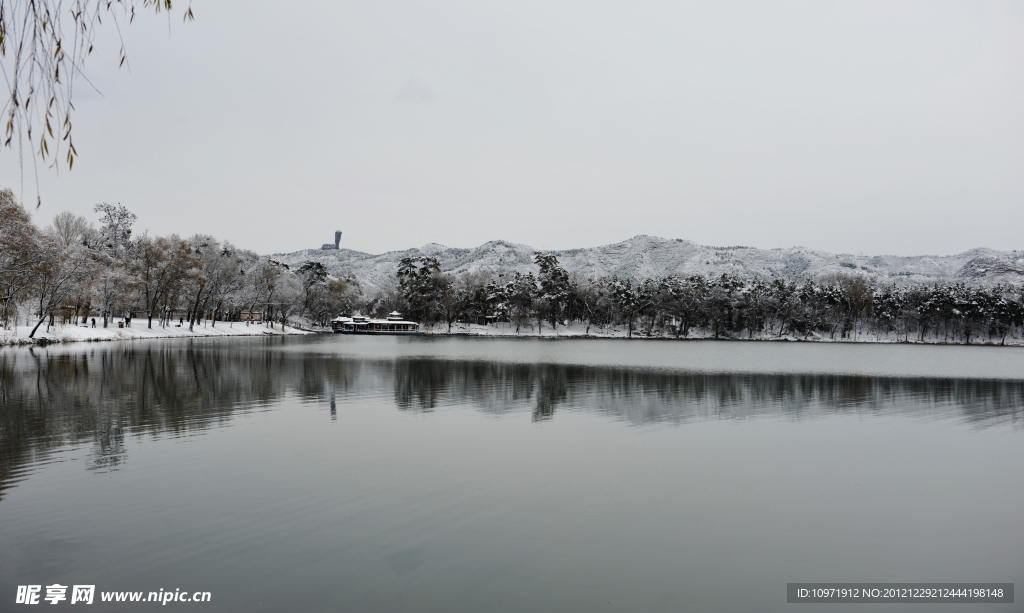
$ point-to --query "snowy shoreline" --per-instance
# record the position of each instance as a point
(77, 333)
(506, 330)
(73, 334)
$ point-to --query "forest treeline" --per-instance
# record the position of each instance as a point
(73, 270)
(844, 306)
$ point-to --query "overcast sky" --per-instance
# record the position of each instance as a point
(882, 127)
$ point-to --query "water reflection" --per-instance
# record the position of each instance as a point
(52, 399)
(642, 397)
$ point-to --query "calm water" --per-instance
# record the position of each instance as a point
(362, 474)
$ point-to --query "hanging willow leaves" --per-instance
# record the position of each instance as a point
(44, 45)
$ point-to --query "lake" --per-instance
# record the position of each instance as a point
(341, 473)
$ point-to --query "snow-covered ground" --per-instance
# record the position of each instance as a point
(580, 330)
(73, 333)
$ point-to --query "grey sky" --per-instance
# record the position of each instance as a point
(883, 127)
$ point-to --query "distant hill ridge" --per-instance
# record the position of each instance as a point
(650, 256)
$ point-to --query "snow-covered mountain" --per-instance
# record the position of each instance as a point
(649, 256)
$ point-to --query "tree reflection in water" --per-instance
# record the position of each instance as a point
(54, 398)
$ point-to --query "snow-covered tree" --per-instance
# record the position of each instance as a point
(20, 254)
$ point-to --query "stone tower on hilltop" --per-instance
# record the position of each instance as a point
(336, 245)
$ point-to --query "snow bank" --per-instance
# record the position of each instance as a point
(73, 333)
(580, 331)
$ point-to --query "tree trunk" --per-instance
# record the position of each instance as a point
(195, 307)
(41, 320)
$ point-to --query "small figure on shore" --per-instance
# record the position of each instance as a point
(93, 322)
(127, 321)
